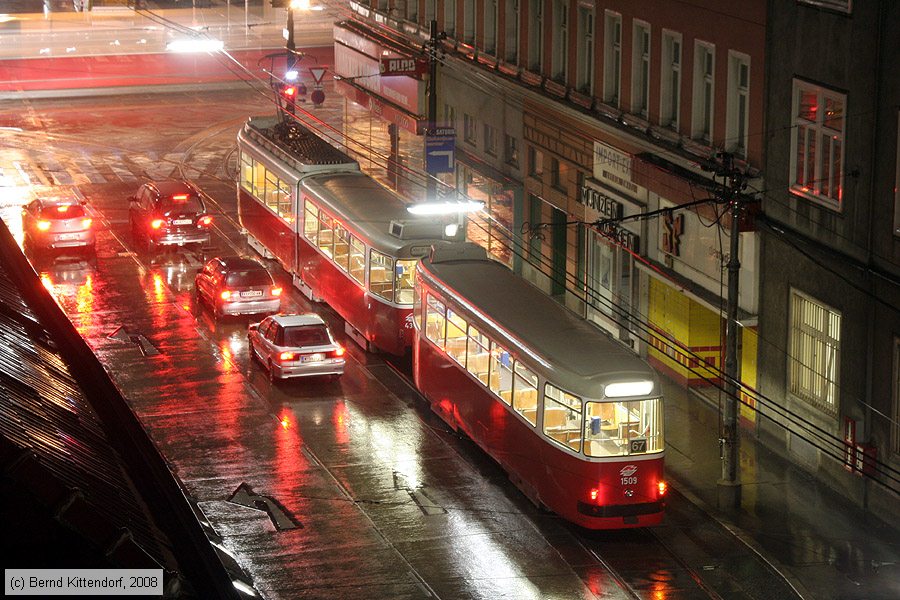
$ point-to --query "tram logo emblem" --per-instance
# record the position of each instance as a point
(408, 321)
(628, 470)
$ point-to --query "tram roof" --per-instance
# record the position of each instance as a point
(571, 353)
(376, 213)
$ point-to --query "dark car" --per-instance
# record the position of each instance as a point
(56, 223)
(233, 285)
(169, 213)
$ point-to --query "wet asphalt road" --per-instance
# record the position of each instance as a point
(320, 489)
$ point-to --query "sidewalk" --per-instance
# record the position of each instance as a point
(826, 547)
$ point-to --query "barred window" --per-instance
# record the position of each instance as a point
(815, 352)
(817, 144)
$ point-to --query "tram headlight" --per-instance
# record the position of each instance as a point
(628, 388)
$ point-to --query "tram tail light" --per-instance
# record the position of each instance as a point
(595, 494)
(205, 220)
(276, 291)
(43, 225)
(86, 223)
(156, 223)
(663, 488)
(285, 356)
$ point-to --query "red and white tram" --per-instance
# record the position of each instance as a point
(574, 417)
(345, 239)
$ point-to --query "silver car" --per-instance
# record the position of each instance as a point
(296, 346)
(233, 285)
(56, 223)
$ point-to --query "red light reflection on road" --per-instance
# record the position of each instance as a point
(291, 466)
(339, 419)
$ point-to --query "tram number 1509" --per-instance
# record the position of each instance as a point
(629, 480)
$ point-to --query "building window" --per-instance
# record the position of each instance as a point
(469, 129)
(490, 26)
(612, 53)
(430, 7)
(511, 45)
(815, 352)
(535, 162)
(585, 74)
(704, 88)
(469, 22)
(450, 17)
(817, 143)
(449, 116)
(412, 10)
(560, 55)
(895, 423)
(535, 35)
(558, 174)
(839, 5)
(490, 140)
(897, 183)
(670, 96)
(511, 150)
(738, 103)
(640, 69)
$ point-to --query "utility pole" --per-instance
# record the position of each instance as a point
(291, 48)
(729, 486)
(433, 40)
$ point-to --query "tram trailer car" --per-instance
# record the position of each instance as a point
(573, 416)
(345, 239)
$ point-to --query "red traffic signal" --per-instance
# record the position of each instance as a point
(289, 91)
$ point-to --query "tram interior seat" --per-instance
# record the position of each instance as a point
(526, 399)
(456, 347)
(378, 275)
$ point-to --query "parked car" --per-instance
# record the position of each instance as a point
(232, 285)
(296, 346)
(169, 213)
(52, 223)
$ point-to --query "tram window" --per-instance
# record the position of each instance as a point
(620, 428)
(501, 373)
(271, 191)
(258, 181)
(406, 278)
(435, 321)
(311, 222)
(357, 260)
(326, 234)
(285, 210)
(525, 395)
(341, 247)
(456, 337)
(381, 278)
(417, 307)
(478, 362)
(247, 172)
(562, 417)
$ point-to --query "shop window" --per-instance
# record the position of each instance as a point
(456, 337)
(525, 394)
(357, 260)
(311, 222)
(381, 275)
(562, 417)
(435, 321)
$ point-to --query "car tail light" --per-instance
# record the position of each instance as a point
(663, 488)
(205, 220)
(86, 223)
(156, 223)
(180, 197)
(339, 352)
(226, 294)
(62, 208)
(43, 225)
(276, 291)
(284, 356)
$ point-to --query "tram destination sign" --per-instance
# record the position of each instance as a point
(412, 67)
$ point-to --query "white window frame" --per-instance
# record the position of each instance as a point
(412, 10)
(536, 35)
(450, 17)
(817, 134)
(512, 33)
(612, 58)
(511, 150)
(585, 59)
(845, 6)
(738, 111)
(469, 22)
(815, 352)
(470, 129)
(450, 116)
(490, 140)
(704, 92)
(670, 80)
(560, 55)
(640, 67)
(490, 27)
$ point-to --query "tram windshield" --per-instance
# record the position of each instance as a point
(622, 428)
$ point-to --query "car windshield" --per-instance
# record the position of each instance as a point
(306, 335)
(248, 278)
(182, 203)
(62, 211)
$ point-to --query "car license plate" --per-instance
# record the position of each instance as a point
(67, 236)
(312, 357)
(251, 293)
(182, 222)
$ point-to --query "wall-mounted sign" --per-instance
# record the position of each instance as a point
(413, 67)
(608, 208)
(673, 227)
(613, 167)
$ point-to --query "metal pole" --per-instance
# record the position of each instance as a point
(729, 486)
(431, 189)
(291, 58)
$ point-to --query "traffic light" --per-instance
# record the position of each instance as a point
(288, 94)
